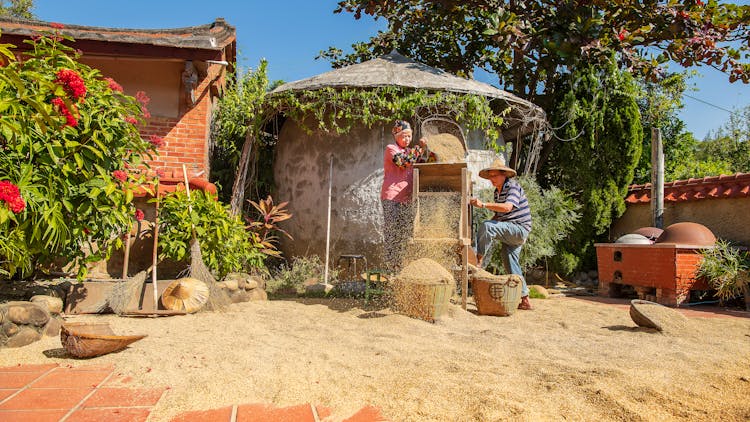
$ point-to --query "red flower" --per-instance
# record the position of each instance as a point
(132, 120)
(56, 25)
(12, 196)
(120, 175)
(156, 141)
(621, 34)
(113, 85)
(142, 98)
(71, 82)
(139, 215)
(70, 120)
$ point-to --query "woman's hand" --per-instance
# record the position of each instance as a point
(423, 142)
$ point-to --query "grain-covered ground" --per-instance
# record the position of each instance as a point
(567, 359)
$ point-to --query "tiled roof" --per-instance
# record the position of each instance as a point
(712, 187)
(213, 36)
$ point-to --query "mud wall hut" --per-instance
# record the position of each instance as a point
(302, 163)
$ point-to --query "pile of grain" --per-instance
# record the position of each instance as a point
(447, 148)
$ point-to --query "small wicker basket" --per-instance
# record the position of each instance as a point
(497, 295)
(421, 299)
(86, 340)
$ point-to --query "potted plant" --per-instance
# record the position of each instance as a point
(727, 269)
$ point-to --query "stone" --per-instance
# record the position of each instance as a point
(27, 313)
(240, 278)
(238, 296)
(26, 335)
(540, 290)
(593, 274)
(319, 289)
(53, 304)
(251, 284)
(310, 282)
(9, 329)
(258, 295)
(583, 276)
(52, 329)
(260, 283)
(231, 284)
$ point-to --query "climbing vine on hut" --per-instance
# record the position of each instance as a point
(338, 110)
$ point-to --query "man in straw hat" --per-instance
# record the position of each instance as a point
(510, 225)
(395, 194)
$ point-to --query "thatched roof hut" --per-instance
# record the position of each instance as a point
(301, 168)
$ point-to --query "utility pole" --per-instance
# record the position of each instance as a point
(657, 178)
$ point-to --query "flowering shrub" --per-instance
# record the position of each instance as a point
(226, 245)
(68, 138)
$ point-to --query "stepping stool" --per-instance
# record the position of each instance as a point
(373, 278)
(351, 261)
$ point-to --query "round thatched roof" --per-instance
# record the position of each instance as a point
(393, 69)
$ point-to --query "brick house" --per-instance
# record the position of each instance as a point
(181, 70)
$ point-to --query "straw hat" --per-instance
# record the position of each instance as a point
(497, 165)
(188, 294)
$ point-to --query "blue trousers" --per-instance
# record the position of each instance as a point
(512, 237)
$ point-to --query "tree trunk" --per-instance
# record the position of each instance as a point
(238, 189)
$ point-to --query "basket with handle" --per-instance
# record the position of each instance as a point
(497, 295)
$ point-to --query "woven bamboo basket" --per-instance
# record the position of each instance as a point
(86, 340)
(423, 300)
(497, 295)
(638, 313)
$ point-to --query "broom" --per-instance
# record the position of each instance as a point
(218, 299)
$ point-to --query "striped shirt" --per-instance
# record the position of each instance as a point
(521, 213)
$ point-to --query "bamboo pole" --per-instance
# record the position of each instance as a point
(154, 256)
(328, 228)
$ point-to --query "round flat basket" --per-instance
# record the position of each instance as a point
(185, 294)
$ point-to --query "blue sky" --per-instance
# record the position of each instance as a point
(290, 33)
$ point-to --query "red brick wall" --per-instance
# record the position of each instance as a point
(185, 137)
(640, 266)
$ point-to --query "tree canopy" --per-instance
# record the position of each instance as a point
(17, 8)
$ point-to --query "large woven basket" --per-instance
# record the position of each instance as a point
(86, 340)
(497, 295)
(422, 300)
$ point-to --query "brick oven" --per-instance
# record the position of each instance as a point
(664, 272)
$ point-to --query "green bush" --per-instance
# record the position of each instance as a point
(290, 278)
(226, 245)
(553, 213)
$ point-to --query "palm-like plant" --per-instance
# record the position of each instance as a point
(726, 268)
(266, 226)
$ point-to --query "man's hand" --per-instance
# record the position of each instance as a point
(476, 203)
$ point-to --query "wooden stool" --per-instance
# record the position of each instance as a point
(351, 260)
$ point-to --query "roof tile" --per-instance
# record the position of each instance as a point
(695, 189)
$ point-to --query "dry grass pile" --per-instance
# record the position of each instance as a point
(447, 148)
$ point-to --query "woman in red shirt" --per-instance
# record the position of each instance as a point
(396, 192)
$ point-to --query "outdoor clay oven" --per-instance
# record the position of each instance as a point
(664, 272)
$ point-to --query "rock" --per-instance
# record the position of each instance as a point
(26, 335)
(582, 276)
(231, 284)
(241, 278)
(52, 329)
(593, 274)
(310, 281)
(260, 283)
(9, 329)
(258, 294)
(53, 304)
(238, 296)
(554, 292)
(252, 283)
(540, 290)
(27, 313)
